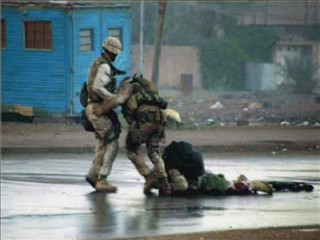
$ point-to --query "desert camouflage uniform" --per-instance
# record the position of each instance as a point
(101, 86)
(146, 126)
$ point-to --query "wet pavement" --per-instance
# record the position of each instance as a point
(44, 196)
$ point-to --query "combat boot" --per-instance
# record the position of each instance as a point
(151, 182)
(102, 185)
(165, 188)
(92, 177)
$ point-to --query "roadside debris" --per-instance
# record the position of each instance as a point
(226, 109)
(217, 106)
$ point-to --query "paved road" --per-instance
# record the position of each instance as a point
(45, 197)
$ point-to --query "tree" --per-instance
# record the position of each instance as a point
(157, 51)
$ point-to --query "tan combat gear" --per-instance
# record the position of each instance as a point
(113, 45)
(102, 185)
(111, 87)
(178, 182)
(92, 176)
(165, 188)
(146, 126)
(107, 131)
(151, 182)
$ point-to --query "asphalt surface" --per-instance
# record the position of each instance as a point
(42, 186)
(44, 196)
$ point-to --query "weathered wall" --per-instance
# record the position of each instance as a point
(33, 77)
(175, 60)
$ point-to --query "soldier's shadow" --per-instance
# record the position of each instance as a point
(102, 210)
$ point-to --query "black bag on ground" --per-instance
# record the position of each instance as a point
(84, 95)
(87, 125)
(182, 156)
(291, 186)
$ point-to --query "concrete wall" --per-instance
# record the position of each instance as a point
(175, 60)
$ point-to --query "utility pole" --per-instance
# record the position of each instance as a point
(141, 59)
(157, 52)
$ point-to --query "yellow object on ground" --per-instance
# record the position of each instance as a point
(173, 114)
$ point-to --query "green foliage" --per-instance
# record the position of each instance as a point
(222, 63)
(223, 60)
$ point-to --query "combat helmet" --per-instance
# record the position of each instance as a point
(113, 45)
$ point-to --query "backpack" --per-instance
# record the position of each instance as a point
(87, 125)
(182, 156)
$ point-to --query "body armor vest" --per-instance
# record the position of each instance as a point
(144, 100)
(111, 87)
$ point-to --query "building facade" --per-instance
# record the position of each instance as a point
(298, 25)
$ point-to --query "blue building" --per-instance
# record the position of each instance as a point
(48, 47)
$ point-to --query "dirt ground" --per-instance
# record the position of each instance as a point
(303, 233)
(205, 109)
(70, 137)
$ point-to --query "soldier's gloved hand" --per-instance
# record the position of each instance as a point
(98, 111)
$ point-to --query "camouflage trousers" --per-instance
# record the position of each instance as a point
(105, 151)
(150, 134)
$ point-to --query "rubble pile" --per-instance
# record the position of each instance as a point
(243, 109)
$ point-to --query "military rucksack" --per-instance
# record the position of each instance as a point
(145, 93)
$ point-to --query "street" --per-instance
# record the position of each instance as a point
(45, 196)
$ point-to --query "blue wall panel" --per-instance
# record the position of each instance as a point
(36, 78)
(50, 80)
(83, 19)
(118, 19)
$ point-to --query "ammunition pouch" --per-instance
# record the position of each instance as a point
(84, 95)
(150, 114)
(87, 125)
